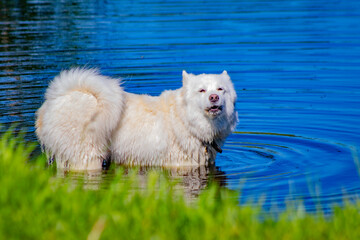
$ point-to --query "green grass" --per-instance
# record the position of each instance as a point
(36, 205)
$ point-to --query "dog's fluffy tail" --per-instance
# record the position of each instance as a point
(80, 111)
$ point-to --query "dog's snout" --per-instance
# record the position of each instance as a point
(214, 98)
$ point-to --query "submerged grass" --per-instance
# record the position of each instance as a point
(35, 205)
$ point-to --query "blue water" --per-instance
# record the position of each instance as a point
(295, 66)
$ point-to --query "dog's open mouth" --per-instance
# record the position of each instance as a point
(214, 110)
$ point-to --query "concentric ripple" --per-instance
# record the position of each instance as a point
(284, 166)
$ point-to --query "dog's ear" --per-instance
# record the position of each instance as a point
(185, 76)
(225, 75)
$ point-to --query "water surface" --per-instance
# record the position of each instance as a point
(295, 66)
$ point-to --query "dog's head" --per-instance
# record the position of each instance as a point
(212, 94)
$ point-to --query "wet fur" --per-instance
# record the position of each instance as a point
(87, 117)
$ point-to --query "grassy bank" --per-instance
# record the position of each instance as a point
(34, 205)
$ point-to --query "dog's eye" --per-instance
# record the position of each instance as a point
(202, 90)
(220, 89)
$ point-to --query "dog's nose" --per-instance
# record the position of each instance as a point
(214, 98)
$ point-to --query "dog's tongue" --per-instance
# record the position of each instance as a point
(214, 108)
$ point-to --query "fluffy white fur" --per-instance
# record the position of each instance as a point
(87, 116)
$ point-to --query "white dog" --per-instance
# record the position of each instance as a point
(87, 117)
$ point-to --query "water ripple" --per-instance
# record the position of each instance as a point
(289, 165)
